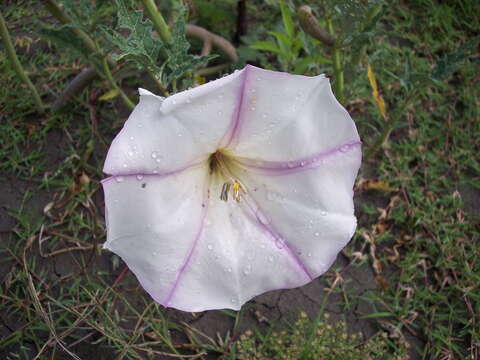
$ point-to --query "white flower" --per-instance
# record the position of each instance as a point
(233, 188)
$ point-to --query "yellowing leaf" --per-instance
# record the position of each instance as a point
(378, 98)
(109, 95)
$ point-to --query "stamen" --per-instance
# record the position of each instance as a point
(238, 189)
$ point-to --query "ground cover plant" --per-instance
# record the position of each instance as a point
(407, 285)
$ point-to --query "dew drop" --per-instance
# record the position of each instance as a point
(270, 258)
(262, 218)
(262, 246)
(131, 138)
(233, 300)
(309, 254)
(279, 243)
(139, 125)
(130, 153)
(264, 116)
(252, 108)
(119, 178)
(158, 160)
(125, 165)
(323, 213)
(247, 270)
(229, 269)
(154, 155)
(317, 233)
(220, 96)
(174, 102)
(210, 247)
(258, 79)
(302, 163)
(344, 148)
(290, 164)
(139, 177)
(154, 253)
(180, 134)
(254, 90)
(220, 113)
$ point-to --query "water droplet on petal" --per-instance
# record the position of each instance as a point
(323, 213)
(139, 177)
(344, 148)
(270, 258)
(233, 300)
(125, 165)
(131, 138)
(309, 254)
(139, 125)
(264, 116)
(229, 269)
(302, 163)
(279, 243)
(317, 233)
(158, 160)
(154, 155)
(119, 178)
(210, 247)
(180, 134)
(290, 164)
(252, 108)
(262, 218)
(174, 102)
(130, 153)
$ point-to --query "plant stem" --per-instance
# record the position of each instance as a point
(114, 85)
(17, 66)
(156, 16)
(162, 88)
(337, 66)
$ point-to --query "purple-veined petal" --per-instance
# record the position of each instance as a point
(164, 135)
(310, 207)
(286, 117)
(153, 221)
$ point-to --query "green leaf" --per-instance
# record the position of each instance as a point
(451, 62)
(266, 46)
(179, 61)
(287, 19)
(140, 47)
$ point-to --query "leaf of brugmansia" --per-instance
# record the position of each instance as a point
(266, 46)
(109, 95)
(376, 95)
(233, 188)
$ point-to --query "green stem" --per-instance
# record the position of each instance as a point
(389, 126)
(113, 84)
(156, 16)
(337, 66)
(160, 85)
(17, 66)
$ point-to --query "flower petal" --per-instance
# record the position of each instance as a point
(311, 207)
(164, 135)
(236, 258)
(287, 117)
(153, 221)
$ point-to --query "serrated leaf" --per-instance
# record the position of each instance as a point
(139, 47)
(451, 62)
(179, 60)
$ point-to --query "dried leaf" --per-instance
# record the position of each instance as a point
(376, 95)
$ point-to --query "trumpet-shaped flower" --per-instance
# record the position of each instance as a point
(233, 188)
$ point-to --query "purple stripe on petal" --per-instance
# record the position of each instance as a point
(186, 263)
(294, 166)
(234, 128)
(280, 242)
(140, 176)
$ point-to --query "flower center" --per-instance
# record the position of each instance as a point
(220, 165)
